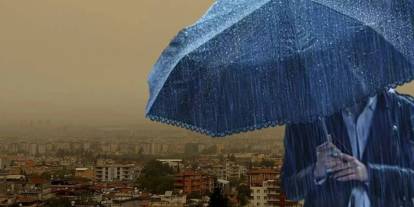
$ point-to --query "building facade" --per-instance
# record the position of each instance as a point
(266, 190)
(87, 173)
(108, 173)
(190, 181)
(258, 176)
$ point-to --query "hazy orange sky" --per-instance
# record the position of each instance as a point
(84, 60)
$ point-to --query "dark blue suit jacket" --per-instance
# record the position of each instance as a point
(389, 157)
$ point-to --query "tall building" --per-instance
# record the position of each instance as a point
(41, 149)
(146, 148)
(191, 148)
(107, 173)
(33, 149)
(86, 146)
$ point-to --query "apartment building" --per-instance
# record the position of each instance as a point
(114, 172)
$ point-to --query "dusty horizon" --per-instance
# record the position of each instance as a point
(85, 61)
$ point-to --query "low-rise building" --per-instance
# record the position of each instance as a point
(171, 200)
(84, 172)
(12, 184)
(190, 181)
(4, 163)
(258, 176)
(176, 164)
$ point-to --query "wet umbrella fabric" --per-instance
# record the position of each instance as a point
(248, 64)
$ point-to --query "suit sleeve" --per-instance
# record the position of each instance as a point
(297, 175)
(393, 178)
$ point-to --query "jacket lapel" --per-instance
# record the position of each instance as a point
(379, 128)
(380, 131)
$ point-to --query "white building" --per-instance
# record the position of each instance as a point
(176, 164)
(234, 171)
(266, 195)
(114, 172)
(33, 149)
(168, 200)
(269, 195)
(41, 149)
(173, 200)
(4, 163)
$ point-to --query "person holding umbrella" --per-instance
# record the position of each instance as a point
(247, 65)
(369, 161)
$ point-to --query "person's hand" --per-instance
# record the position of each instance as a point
(350, 169)
(328, 156)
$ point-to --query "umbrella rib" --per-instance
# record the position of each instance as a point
(339, 12)
(188, 50)
(379, 33)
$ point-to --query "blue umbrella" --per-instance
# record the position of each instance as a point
(247, 65)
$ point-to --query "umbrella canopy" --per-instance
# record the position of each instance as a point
(248, 64)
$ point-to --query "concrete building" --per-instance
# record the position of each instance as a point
(190, 181)
(265, 195)
(258, 176)
(42, 149)
(85, 173)
(33, 149)
(105, 173)
(12, 184)
(171, 200)
(270, 195)
(234, 171)
(265, 189)
(175, 164)
(4, 163)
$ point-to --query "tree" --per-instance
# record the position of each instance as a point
(267, 163)
(63, 173)
(243, 194)
(46, 175)
(196, 195)
(58, 202)
(218, 199)
(235, 182)
(156, 177)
